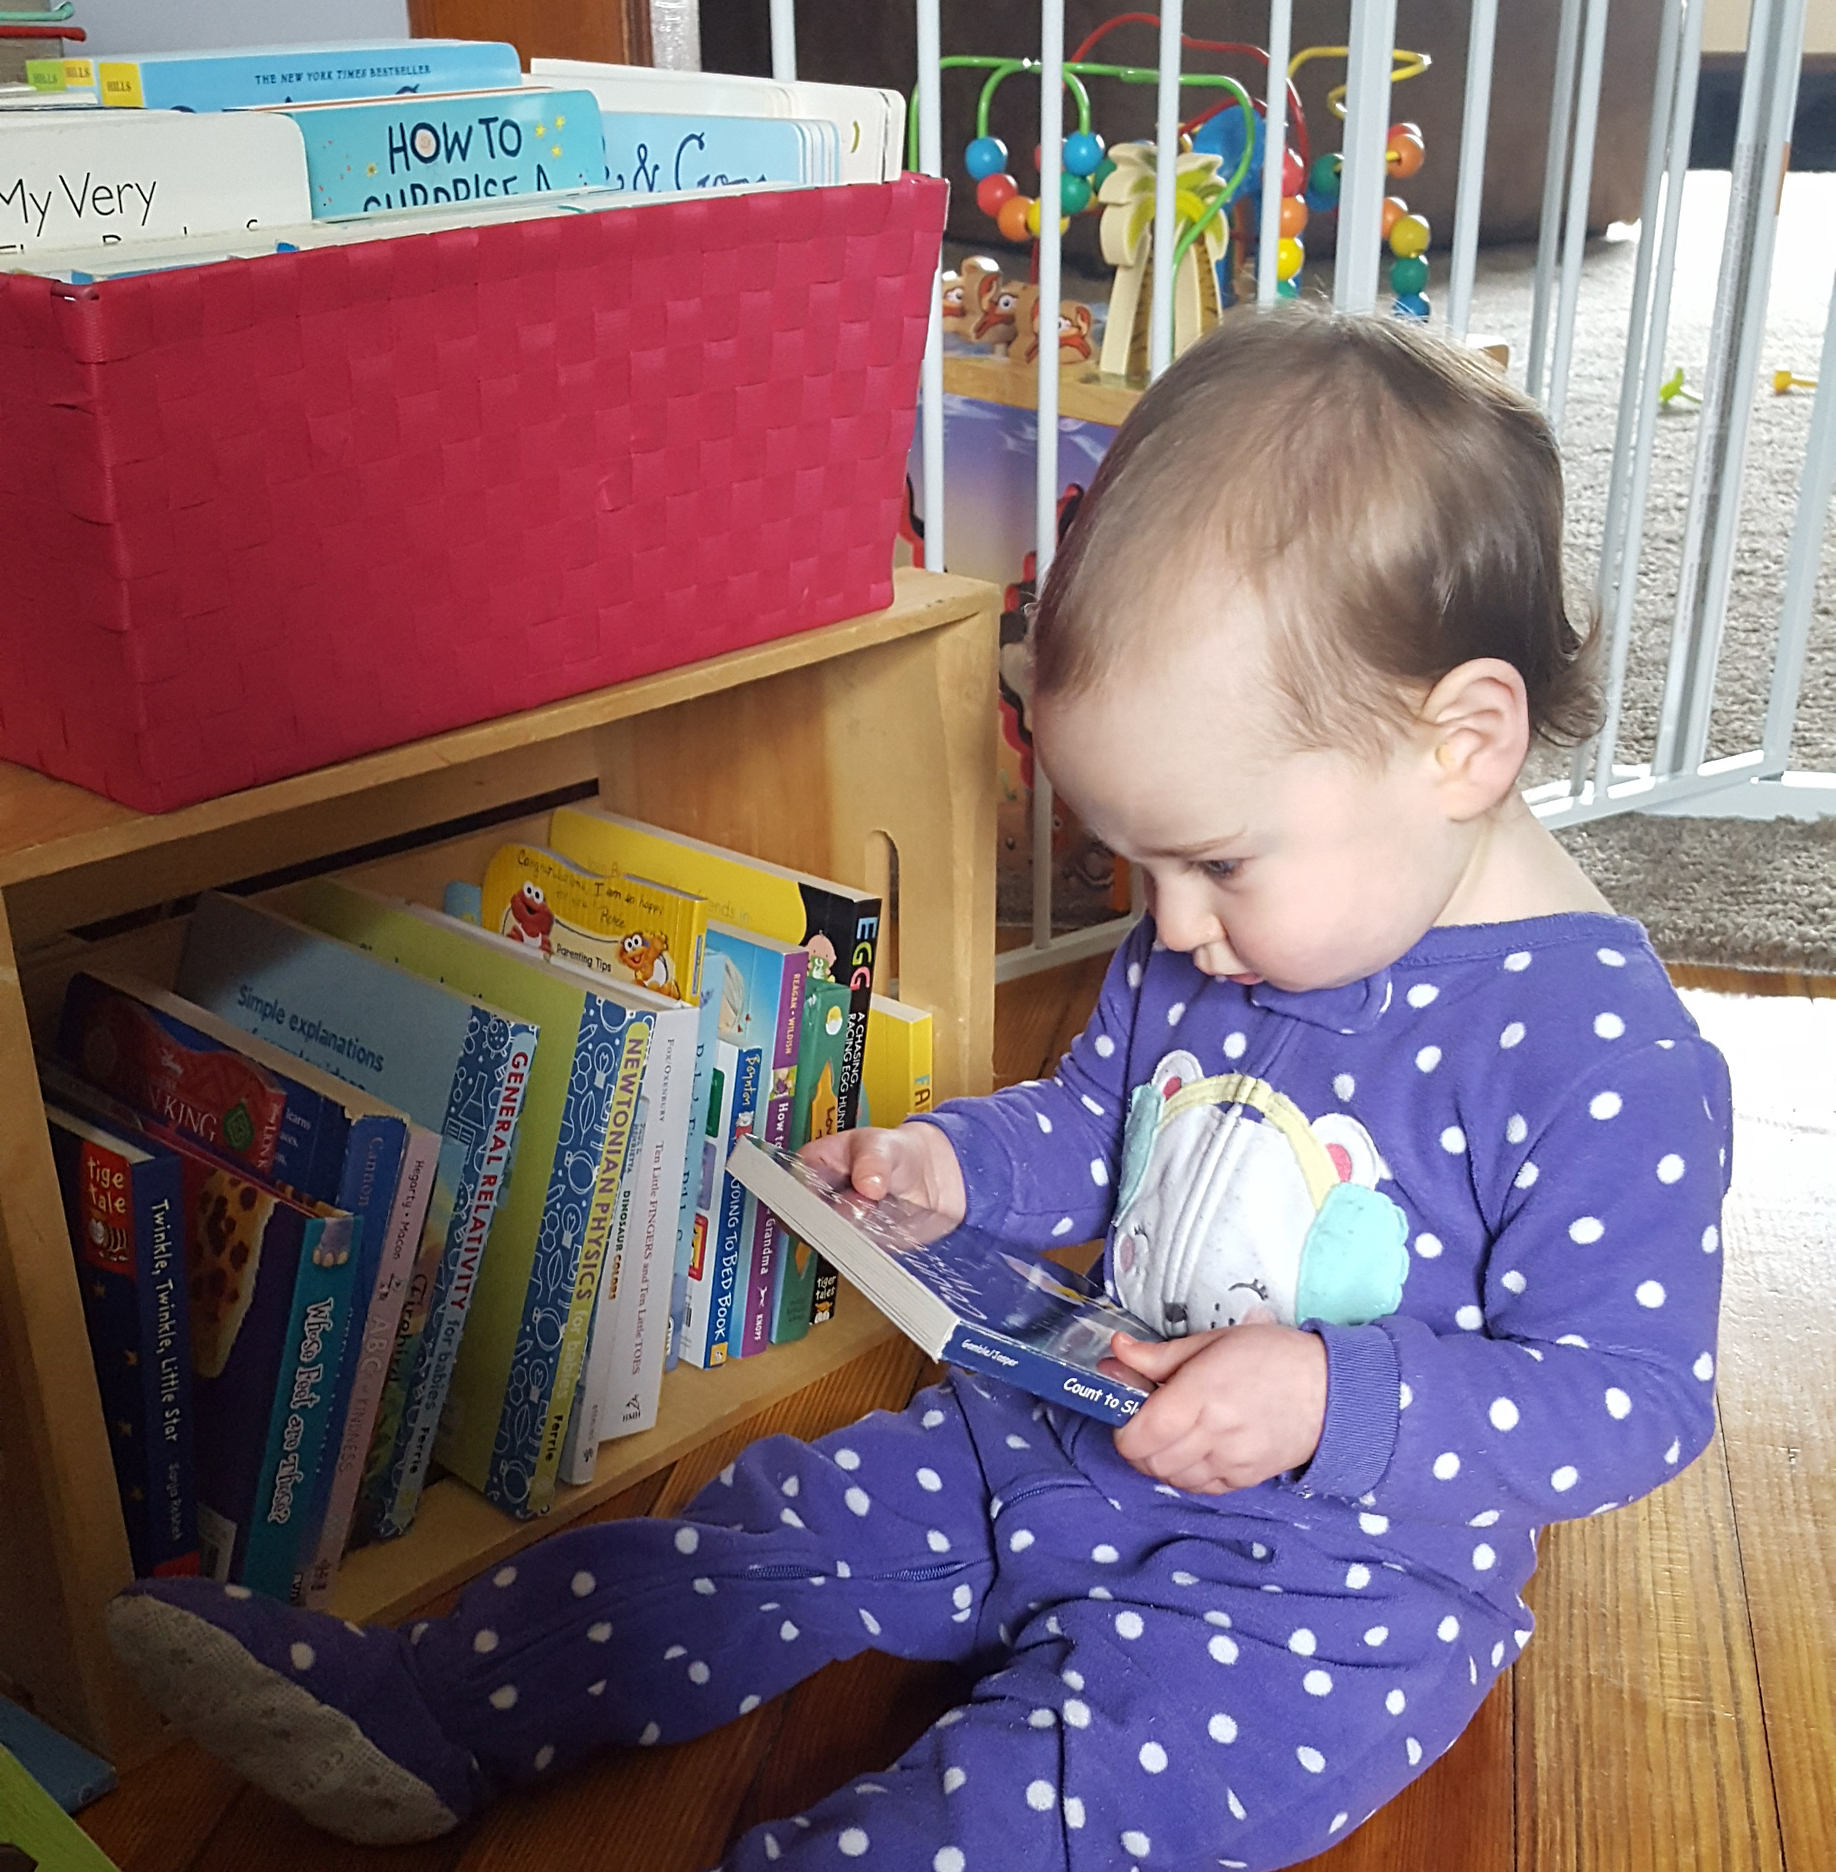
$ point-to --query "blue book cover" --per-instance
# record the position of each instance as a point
(124, 1198)
(736, 1210)
(963, 1295)
(452, 1064)
(303, 74)
(366, 158)
(707, 1041)
(652, 153)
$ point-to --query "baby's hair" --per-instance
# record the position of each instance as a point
(1390, 505)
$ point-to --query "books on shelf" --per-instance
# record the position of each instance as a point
(706, 1314)
(653, 153)
(124, 1199)
(695, 1144)
(963, 1295)
(780, 1303)
(270, 1291)
(312, 1135)
(458, 1066)
(896, 1079)
(302, 74)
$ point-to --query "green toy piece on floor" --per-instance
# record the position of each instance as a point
(36, 1835)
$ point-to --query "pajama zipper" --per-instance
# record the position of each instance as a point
(942, 1570)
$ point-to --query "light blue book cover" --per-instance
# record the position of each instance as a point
(453, 1065)
(303, 74)
(651, 153)
(368, 157)
(737, 1211)
(707, 1039)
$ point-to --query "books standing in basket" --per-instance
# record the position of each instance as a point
(963, 1295)
(314, 1137)
(300, 74)
(124, 1198)
(455, 1065)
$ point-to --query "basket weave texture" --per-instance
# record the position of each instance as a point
(273, 513)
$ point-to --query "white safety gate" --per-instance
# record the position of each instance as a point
(1679, 778)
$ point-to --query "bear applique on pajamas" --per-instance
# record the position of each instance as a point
(1488, 1177)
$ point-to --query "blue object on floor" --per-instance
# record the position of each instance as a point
(70, 1775)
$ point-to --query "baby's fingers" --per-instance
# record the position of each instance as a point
(1157, 1359)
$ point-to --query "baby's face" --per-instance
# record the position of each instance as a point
(1302, 870)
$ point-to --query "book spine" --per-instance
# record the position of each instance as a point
(701, 1344)
(732, 1295)
(782, 1309)
(707, 1033)
(165, 1367)
(996, 1356)
(368, 1358)
(487, 1099)
(229, 80)
(299, 1422)
(580, 1452)
(590, 1277)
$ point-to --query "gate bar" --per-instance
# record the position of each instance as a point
(1481, 37)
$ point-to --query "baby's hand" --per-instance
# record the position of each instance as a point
(1229, 1408)
(915, 1162)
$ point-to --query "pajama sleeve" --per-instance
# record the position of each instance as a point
(1581, 1376)
(1039, 1160)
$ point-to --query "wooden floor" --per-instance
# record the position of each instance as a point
(1677, 1709)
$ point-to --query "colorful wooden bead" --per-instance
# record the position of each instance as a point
(1083, 153)
(1408, 276)
(1014, 217)
(992, 191)
(986, 156)
(1409, 237)
(1293, 214)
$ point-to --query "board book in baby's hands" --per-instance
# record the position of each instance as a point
(961, 1294)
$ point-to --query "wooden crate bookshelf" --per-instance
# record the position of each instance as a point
(862, 751)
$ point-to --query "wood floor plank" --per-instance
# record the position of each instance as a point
(1640, 1744)
(1778, 1388)
(1459, 1817)
(158, 1819)
(1739, 981)
(258, 1832)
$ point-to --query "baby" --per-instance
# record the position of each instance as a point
(1398, 1133)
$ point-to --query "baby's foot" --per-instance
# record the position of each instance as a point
(328, 1717)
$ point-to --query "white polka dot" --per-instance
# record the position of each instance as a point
(953, 1778)
(238, 1592)
(1484, 1559)
(1675, 1450)
(1129, 1625)
(651, 1736)
(544, 1756)
(1222, 1728)
(1564, 1478)
(1617, 1403)
(698, 1672)
(1586, 1230)
(1512, 1281)
(1486, 1517)
(1357, 1577)
(414, 1636)
(1338, 1820)
(1236, 1813)
(1573, 1339)
(599, 1689)
(1649, 1293)
(1611, 957)
(1396, 1702)
(1234, 1045)
(302, 1656)
(1404, 1396)
(1074, 1812)
(1090, 1105)
(1153, 1758)
(1343, 1086)
(1223, 1647)
(929, 1480)
(503, 1697)
(858, 1500)
(504, 1576)
(1609, 1026)
(1516, 1128)
(1062, 1226)
(1511, 1035)
(1104, 1045)
(872, 1623)
(790, 1517)
(1670, 1168)
(1099, 1173)
(948, 1859)
(1040, 1796)
(851, 1843)
(1453, 1140)
(1448, 1629)
(687, 1540)
(1317, 1683)
(1302, 1642)
(1446, 1466)
(1711, 1239)
(1258, 1551)
(1469, 1318)
(1104, 1554)
(772, 1849)
(1134, 974)
(937, 1540)
(1421, 994)
(1374, 1523)
(1044, 1123)
(1428, 1059)
(1042, 1719)
(1183, 1578)
(1376, 1635)
(1220, 1619)
(1176, 1013)
(1076, 1714)
(1526, 1176)
(1427, 1246)
(1414, 1749)
(1517, 960)
(1704, 1367)
(790, 1485)
(1503, 1414)
(1522, 1637)
(598, 1634)
(1019, 1540)
(1137, 1843)
(931, 1419)
(847, 1459)
(1605, 1105)
(484, 1641)
(1310, 1758)
(788, 1631)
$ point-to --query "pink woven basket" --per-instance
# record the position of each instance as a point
(278, 512)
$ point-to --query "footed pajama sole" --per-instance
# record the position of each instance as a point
(272, 1732)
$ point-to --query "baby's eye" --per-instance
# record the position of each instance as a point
(1221, 867)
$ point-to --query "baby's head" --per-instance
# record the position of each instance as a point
(1291, 657)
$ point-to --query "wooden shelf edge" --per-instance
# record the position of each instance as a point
(457, 1534)
(1084, 393)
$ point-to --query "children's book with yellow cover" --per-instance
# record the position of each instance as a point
(896, 1084)
(617, 924)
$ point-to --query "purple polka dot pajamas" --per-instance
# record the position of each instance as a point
(1540, 1136)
